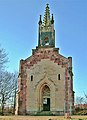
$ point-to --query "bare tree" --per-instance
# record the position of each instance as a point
(79, 100)
(8, 82)
(6, 88)
(85, 97)
(3, 59)
(15, 89)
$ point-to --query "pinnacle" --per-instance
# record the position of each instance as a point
(46, 20)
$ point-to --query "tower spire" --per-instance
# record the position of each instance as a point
(46, 36)
(46, 19)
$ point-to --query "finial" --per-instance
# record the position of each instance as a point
(40, 21)
(52, 20)
(47, 4)
(40, 17)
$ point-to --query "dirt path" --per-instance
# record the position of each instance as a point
(41, 118)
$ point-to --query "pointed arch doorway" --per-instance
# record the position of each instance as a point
(46, 98)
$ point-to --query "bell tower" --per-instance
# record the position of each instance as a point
(46, 30)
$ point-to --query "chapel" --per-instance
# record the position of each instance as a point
(45, 80)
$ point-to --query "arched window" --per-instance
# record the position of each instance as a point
(58, 76)
(46, 91)
(31, 77)
(46, 98)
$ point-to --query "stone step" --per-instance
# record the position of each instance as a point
(45, 113)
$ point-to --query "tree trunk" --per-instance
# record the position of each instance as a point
(2, 104)
(14, 101)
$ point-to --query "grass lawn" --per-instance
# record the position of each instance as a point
(41, 118)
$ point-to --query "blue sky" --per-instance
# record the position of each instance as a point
(19, 32)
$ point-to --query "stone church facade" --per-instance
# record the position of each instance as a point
(45, 81)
